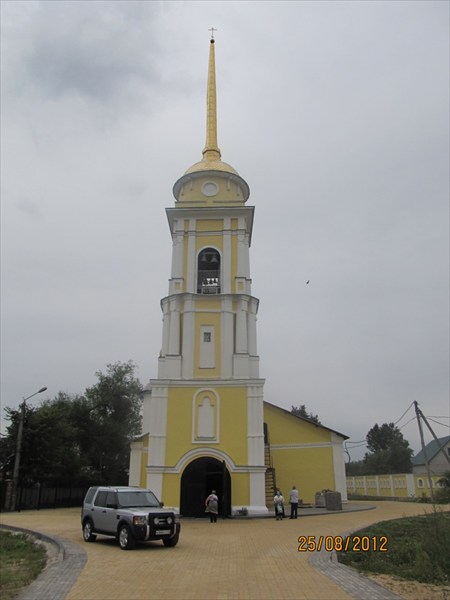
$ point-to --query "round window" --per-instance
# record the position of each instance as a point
(209, 188)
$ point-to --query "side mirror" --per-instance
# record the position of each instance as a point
(161, 504)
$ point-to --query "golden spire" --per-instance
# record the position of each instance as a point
(211, 160)
(211, 150)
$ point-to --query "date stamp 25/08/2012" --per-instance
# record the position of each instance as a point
(338, 543)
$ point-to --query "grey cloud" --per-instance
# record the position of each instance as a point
(89, 49)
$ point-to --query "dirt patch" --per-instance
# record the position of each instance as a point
(412, 590)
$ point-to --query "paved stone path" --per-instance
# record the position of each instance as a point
(231, 560)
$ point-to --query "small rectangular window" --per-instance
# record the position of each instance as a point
(207, 354)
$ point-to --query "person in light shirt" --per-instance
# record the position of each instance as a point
(293, 501)
(278, 502)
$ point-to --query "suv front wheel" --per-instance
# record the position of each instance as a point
(171, 542)
(88, 536)
(126, 539)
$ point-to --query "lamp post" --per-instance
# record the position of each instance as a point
(19, 448)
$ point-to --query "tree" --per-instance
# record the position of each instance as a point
(300, 411)
(78, 440)
(389, 451)
(443, 495)
(114, 419)
(49, 442)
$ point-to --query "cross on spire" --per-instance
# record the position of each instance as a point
(212, 30)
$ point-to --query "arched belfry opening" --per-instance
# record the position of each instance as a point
(208, 271)
(199, 478)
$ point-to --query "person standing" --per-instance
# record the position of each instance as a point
(293, 501)
(212, 506)
(278, 502)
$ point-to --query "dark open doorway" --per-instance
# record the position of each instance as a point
(199, 478)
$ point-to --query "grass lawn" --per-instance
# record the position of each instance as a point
(21, 562)
(418, 548)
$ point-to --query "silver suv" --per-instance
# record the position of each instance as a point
(130, 514)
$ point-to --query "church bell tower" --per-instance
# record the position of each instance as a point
(203, 414)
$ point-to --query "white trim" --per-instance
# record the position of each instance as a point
(157, 425)
(411, 488)
(191, 455)
(226, 264)
(339, 466)
(136, 451)
(209, 383)
(154, 482)
(191, 258)
(202, 452)
(295, 446)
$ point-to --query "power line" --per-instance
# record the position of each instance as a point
(437, 416)
(408, 422)
(412, 403)
(434, 421)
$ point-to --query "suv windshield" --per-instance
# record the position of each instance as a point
(137, 498)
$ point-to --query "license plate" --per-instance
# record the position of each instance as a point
(162, 531)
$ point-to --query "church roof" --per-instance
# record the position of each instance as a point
(211, 160)
(288, 412)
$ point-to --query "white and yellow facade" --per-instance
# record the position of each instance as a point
(204, 414)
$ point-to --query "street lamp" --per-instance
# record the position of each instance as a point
(19, 448)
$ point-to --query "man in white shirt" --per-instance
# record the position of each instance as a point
(293, 500)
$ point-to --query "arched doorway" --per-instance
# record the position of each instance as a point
(199, 478)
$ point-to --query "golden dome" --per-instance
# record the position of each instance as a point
(211, 165)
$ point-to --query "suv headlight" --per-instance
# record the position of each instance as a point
(169, 520)
(140, 520)
(156, 521)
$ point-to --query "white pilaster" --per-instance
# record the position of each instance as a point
(339, 466)
(227, 341)
(241, 327)
(188, 338)
(174, 328)
(191, 284)
(226, 257)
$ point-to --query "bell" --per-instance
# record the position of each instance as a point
(214, 259)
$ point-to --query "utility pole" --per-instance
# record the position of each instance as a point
(19, 449)
(427, 464)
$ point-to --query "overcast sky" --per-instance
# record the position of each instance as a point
(335, 113)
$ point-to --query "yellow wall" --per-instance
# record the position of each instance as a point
(240, 489)
(285, 427)
(209, 225)
(203, 241)
(171, 489)
(143, 472)
(232, 426)
(309, 469)
(301, 452)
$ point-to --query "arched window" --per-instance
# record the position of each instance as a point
(208, 272)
